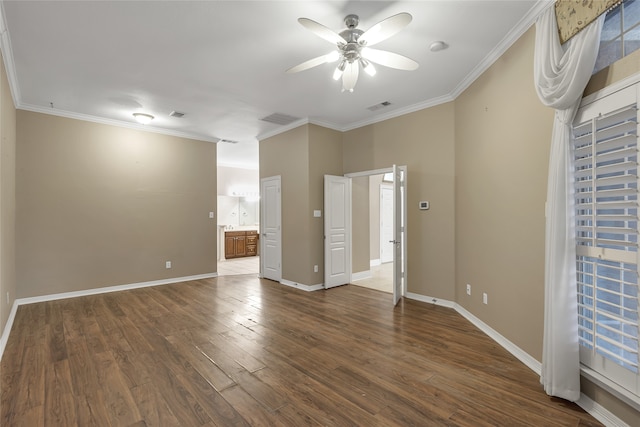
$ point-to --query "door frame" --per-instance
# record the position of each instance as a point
(405, 253)
(385, 186)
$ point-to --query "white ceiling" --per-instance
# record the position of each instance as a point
(223, 63)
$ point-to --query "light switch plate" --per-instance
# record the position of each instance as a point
(317, 213)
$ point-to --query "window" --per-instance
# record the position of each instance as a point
(605, 155)
(620, 34)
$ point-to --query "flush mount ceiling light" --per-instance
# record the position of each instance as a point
(143, 118)
(353, 49)
(437, 46)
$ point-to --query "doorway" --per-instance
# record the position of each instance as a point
(370, 264)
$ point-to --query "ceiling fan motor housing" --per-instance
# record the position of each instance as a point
(351, 49)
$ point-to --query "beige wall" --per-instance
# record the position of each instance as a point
(302, 156)
(360, 203)
(424, 141)
(7, 198)
(325, 158)
(100, 205)
(625, 67)
(503, 135)
(287, 155)
(502, 150)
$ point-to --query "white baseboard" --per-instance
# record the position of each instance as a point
(374, 262)
(64, 295)
(308, 288)
(519, 353)
(108, 289)
(7, 328)
(594, 409)
(360, 275)
(430, 300)
(599, 412)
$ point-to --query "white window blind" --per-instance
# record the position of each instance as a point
(605, 148)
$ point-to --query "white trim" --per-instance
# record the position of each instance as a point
(592, 408)
(239, 166)
(95, 291)
(366, 274)
(374, 262)
(516, 351)
(7, 328)
(516, 32)
(7, 56)
(368, 173)
(308, 288)
(114, 122)
(282, 129)
(430, 300)
(612, 88)
(599, 412)
(512, 36)
(433, 102)
(606, 384)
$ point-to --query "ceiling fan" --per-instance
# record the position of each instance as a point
(353, 49)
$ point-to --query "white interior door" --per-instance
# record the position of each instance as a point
(337, 231)
(398, 259)
(271, 229)
(386, 223)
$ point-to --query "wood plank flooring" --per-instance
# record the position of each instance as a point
(240, 351)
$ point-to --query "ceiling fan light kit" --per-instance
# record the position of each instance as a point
(353, 49)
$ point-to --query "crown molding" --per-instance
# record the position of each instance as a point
(518, 30)
(282, 129)
(400, 112)
(7, 56)
(238, 166)
(113, 122)
(512, 36)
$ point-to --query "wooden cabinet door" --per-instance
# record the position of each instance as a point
(241, 246)
(229, 246)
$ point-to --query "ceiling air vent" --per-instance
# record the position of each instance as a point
(177, 114)
(379, 106)
(228, 141)
(280, 119)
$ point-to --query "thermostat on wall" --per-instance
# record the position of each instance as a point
(423, 205)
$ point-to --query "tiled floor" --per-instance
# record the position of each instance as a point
(381, 278)
(245, 265)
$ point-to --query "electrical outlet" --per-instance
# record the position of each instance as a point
(210, 214)
(167, 264)
(485, 299)
(468, 289)
(315, 268)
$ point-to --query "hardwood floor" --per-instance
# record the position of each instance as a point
(240, 351)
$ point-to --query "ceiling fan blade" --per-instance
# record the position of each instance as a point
(350, 76)
(321, 31)
(389, 59)
(385, 29)
(314, 62)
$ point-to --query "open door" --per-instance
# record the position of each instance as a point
(398, 237)
(337, 228)
(270, 225)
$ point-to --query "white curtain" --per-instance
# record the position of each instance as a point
(561, 74)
